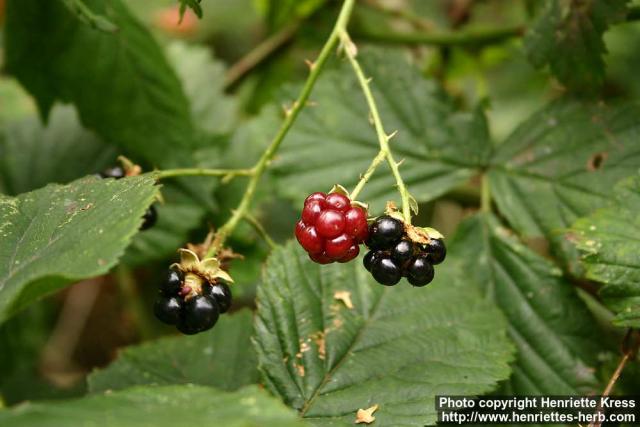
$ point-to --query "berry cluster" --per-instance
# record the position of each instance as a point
(331, 228)
(191, 310)
(393, 254)
(151, 214)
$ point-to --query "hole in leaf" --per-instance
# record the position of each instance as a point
(596, 161)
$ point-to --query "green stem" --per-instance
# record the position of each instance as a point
(292, 115)
(260, 230)
(383, 138)
(485, 194)
(478, 37)
(379, 158)
(227, 173)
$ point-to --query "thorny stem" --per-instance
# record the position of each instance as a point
(383, 139)
(292, 114)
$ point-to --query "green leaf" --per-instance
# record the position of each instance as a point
(120, 82)
(203, 82)
(178, 216)
(168, 406)
(33, 155)
(396, 347)
(567, 36)
(16, 102)
(63, 233)
(222, 358)
(561, 164)
(554, 332)
(610, 238)
(333, 140)
(191, 4)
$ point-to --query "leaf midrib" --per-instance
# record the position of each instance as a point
(344, 357)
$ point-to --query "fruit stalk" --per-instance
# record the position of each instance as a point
(383, 139)
(291, 116)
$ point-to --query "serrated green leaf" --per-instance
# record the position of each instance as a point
(203, 82)
(194, 5)
(120, 82)
(554, 332)
(178, 215)
(333, 140)
(610, 238)
(165, 406)
(568, 37)
(222, 358)
(63, 233)
(561, 164)
(33, 155)
(396, 347)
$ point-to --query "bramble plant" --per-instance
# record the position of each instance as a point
(478, 159)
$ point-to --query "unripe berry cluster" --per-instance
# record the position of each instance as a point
(191, 310)
(394, 255)
(331, 228)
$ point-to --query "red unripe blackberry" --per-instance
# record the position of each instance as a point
(308, 238)
(337, 247)
(331, 228)
(330, 224)
(351, 253)
(320, 258)
(338, 201)
(311, 212)
(356, 224)
(320, 197)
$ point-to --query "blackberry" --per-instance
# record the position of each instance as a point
(115, 172)
(385, 271)
(168, 309)
(402, 251)
(199, 314)
(149, 218)
(221, 293)
(172, 284)
(369, 258)
(419, 272)
(393, 254)
(437, 251)
(384, 232)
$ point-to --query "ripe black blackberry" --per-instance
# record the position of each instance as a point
(393, 254)
(150, 216)
(191, 309)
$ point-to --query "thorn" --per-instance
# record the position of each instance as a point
(310, 64)
(391, 135)
(400, 162)
(369, 80)
(287, 110)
